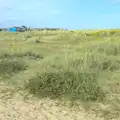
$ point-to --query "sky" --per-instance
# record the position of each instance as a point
(69, 14)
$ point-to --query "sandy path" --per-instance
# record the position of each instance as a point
(15, 108)
(44, 110)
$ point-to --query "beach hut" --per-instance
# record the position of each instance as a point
(13, 29)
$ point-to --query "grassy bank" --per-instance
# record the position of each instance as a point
(73, 66)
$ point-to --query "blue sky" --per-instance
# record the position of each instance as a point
(70, 14)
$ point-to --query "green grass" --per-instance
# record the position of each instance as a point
(71, 86)
(72, 66)
(29, 55)
(9, 67)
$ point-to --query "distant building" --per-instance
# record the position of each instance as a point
(18, 29)
(46, 29)
(4, 29)
(13, 29)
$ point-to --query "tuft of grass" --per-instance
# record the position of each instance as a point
(29, 55)
(32, 55)
(11, 66)
(107, 48)
(68, 85)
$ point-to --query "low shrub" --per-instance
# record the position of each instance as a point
(9, 66)
(69, 85)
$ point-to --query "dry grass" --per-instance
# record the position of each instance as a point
(80, 68)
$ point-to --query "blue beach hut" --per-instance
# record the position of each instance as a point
(13, 29)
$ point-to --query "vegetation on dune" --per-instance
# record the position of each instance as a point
(29, 55)
(70, 85)
(68, 65)
(107, 48)
(11, 66)
(77, 77)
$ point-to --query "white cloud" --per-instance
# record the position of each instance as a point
(28, 10)
(7, 4)
(13, 18)
(37, 6)
(115, 1)
(54, 11)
